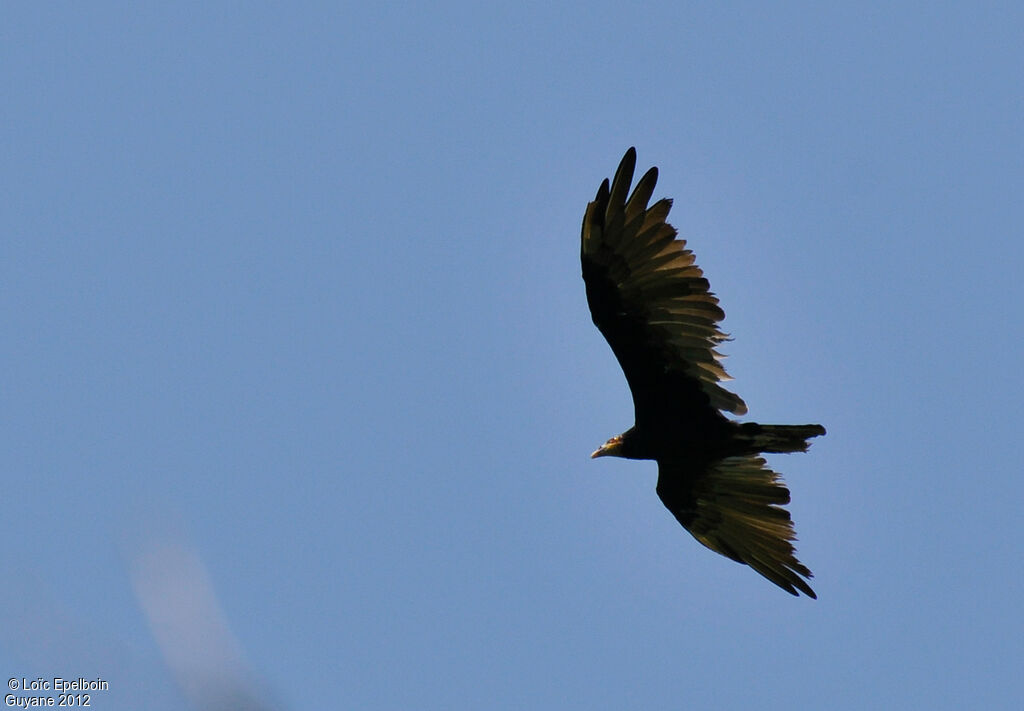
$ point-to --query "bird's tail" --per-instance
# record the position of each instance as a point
(779, 438)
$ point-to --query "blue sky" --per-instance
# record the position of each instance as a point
(299, 381)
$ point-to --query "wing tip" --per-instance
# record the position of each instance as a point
(622, 180)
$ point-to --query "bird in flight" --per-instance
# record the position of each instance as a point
(653, 306)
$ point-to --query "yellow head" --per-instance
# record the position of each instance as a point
(611, 448)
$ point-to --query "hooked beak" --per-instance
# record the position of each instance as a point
(608, 449)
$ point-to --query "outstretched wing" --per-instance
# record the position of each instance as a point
(652, 302)
(734, 507)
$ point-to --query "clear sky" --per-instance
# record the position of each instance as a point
(299, 383)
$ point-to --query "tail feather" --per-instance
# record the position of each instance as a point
(780, 438)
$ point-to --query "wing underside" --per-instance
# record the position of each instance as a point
(734, 507)
(650, 300)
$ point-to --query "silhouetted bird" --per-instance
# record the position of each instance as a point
(653, 305)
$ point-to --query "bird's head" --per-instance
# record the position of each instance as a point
(611, 448)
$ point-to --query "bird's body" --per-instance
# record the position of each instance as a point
(654, 307)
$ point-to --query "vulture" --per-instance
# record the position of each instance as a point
(653, 305)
